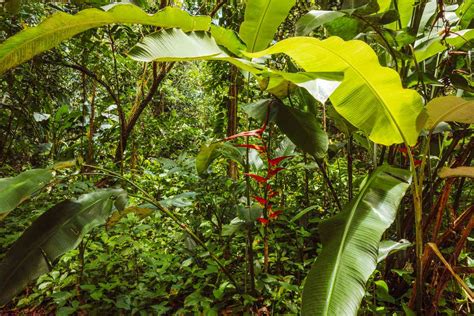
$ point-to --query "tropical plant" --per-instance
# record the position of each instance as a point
(351, 92)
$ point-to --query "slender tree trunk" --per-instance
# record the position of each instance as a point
(90, 136)
(232, 102)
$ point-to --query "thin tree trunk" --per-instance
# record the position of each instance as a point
(232, 102)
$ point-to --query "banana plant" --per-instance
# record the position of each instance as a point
(336, 283)
(55, 232)
(15, 190)
(62, 26)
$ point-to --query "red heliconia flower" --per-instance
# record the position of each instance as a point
(262, 220)
(403, 150)
(256, 132)
(275, 161)
(275, 214)
(252, 146)
(256, 177)
(260, 200)
(271, 193)
(272, 172)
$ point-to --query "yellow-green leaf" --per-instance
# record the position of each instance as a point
(261, 21)
(370, 97)
(62, 26)
(447, 109)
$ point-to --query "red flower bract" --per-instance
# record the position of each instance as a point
(275, 214)
(251, 146)
(272, 172)
(256, 177)
(260, 200)
(275, 161)
(256, 132)
(262, 220)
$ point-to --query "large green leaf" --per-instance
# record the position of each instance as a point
(466, 13)
(303, 129)
(176, 45)
(228, 39)
(447, 109)
(336, 283)
(61, 26)
(434, 43)
(261, 21)
(14, 191)
(55, 232)
(208, 154)
(370, 97)
(315, 18)
(405, 11)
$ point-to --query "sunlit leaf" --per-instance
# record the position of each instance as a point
(434, 43)
(370, 97)
(262, 18)
(447, 109)
(336, 283)
(62, 26)
(313, 19)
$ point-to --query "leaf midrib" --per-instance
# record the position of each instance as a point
(342, 243)
(259, 26)
(381, 100)
(448, 112)
(46, 237)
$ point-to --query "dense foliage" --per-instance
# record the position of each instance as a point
(236, 157)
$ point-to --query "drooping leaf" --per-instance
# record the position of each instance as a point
(341, 123)
(62, 26)
(387, 247)
(336, 283)
(370, 97)
(176, 45)
(313, 19)
(228, 39)
(181, 200)
(456, 172)
(405, 10)
(320, 85)
(434, 43)
(345, 27)
(258, 110)
(303, 129)
(466, 13)
(55, 232)
(261, 21)
(302, 213)
(13, 191)
(447, 109)
(210, 153)
(234, 226)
